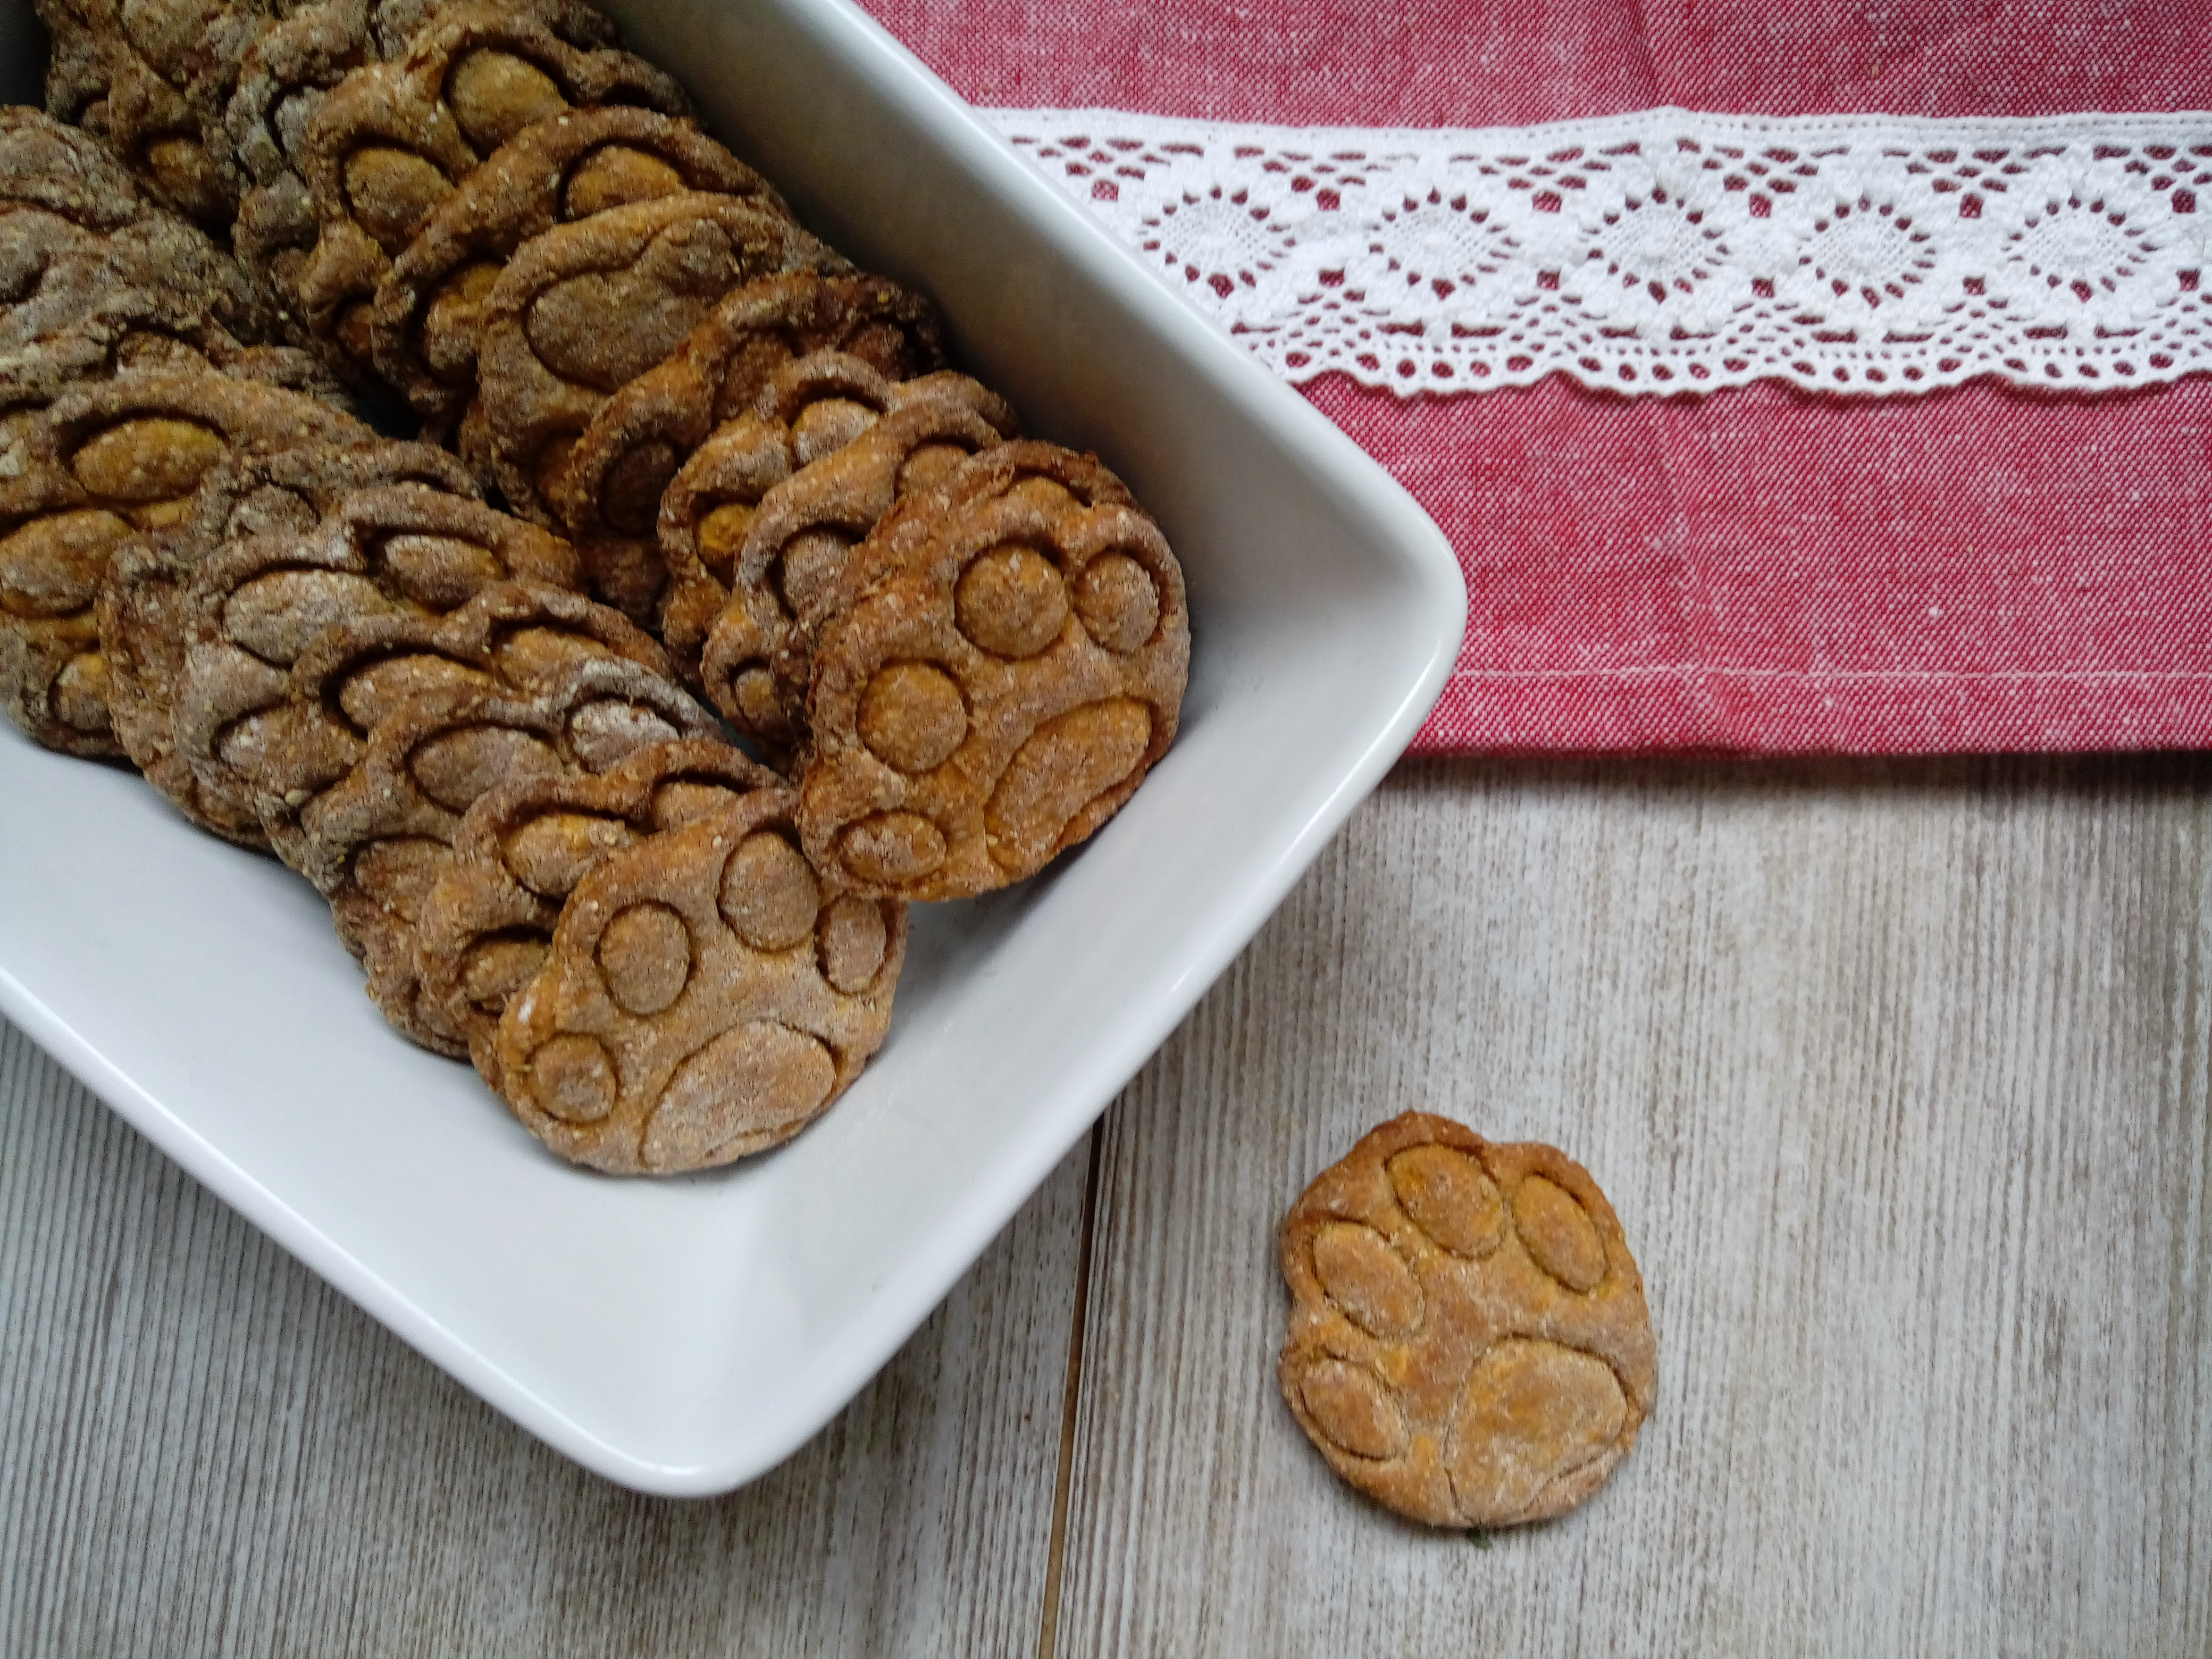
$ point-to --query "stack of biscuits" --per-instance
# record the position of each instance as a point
(427, 456)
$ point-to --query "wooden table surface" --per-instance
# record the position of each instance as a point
(1898, 1077)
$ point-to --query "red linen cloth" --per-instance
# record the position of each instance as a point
(1760, 570)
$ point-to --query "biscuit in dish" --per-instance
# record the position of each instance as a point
(756, 655)
(397, 542)
(1004, 663)
(707, 995)
(101, 464)
(521, 849)
(143, 604)
(376, 840)
(393, 140)
(428, 312)
(587, 307)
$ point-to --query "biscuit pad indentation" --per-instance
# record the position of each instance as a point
(145, 605)
(1468, 1341)
(587, 307)
(429, 313)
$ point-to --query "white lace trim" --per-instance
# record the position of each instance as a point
(1671, 251)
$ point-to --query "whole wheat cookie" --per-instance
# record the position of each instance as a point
(357, 673)
(281, 81)
(707, 996)
(610, 488)
(1468, 1341)
(66, 203)
(420, 545)
(174, 66)
(756, 656)
(105, 462)
(587, 307)
(392, 140)
(376, 841)
(521, 849)
(810, 408)
(80, 65)
(1009, 665)
(144, 600)
(427, 317)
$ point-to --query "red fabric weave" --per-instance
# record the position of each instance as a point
(1760, 570)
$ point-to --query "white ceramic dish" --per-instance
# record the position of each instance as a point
(684, 1336)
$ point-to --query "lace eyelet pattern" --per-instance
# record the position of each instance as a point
(1670, 251)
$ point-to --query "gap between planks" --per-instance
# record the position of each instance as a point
(1072, 1399)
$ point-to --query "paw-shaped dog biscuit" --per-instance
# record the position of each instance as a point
(105, 462)
(376, 841)
(143, 621)
(800, 538)
(417, 543)
(587, 307)
(429, 313)
(1468, 1341)
(610, 488)
(1012, 666)
(393, 140)
(707, 996)
(520, 851)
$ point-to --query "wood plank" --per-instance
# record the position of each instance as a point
(204, 1449)
(1897, 1075)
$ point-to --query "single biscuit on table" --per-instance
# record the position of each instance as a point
(587, 307)
(1468, 1341)
(415, 543)
(103, 463)
(393, 140)
(755, 658)
(707, 996)
(521, 849)
(1002, 665)
(610, 488)
(144, 604)
(377, 840)
(429, 315)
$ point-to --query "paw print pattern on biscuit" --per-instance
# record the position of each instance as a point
(104, 463)
(282, 81)
(611, 484)
(143, 603)
(521, 849)
(393, 140)
(513, 637)
(418, 548)
(172, 64)
(376, 841)
(1468, 1341)
(774, 349)
(755, 659)
(707, 996)
(1012, 665)
(428, 315)
(587, 307)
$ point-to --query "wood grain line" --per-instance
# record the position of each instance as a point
(1063, 1479)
